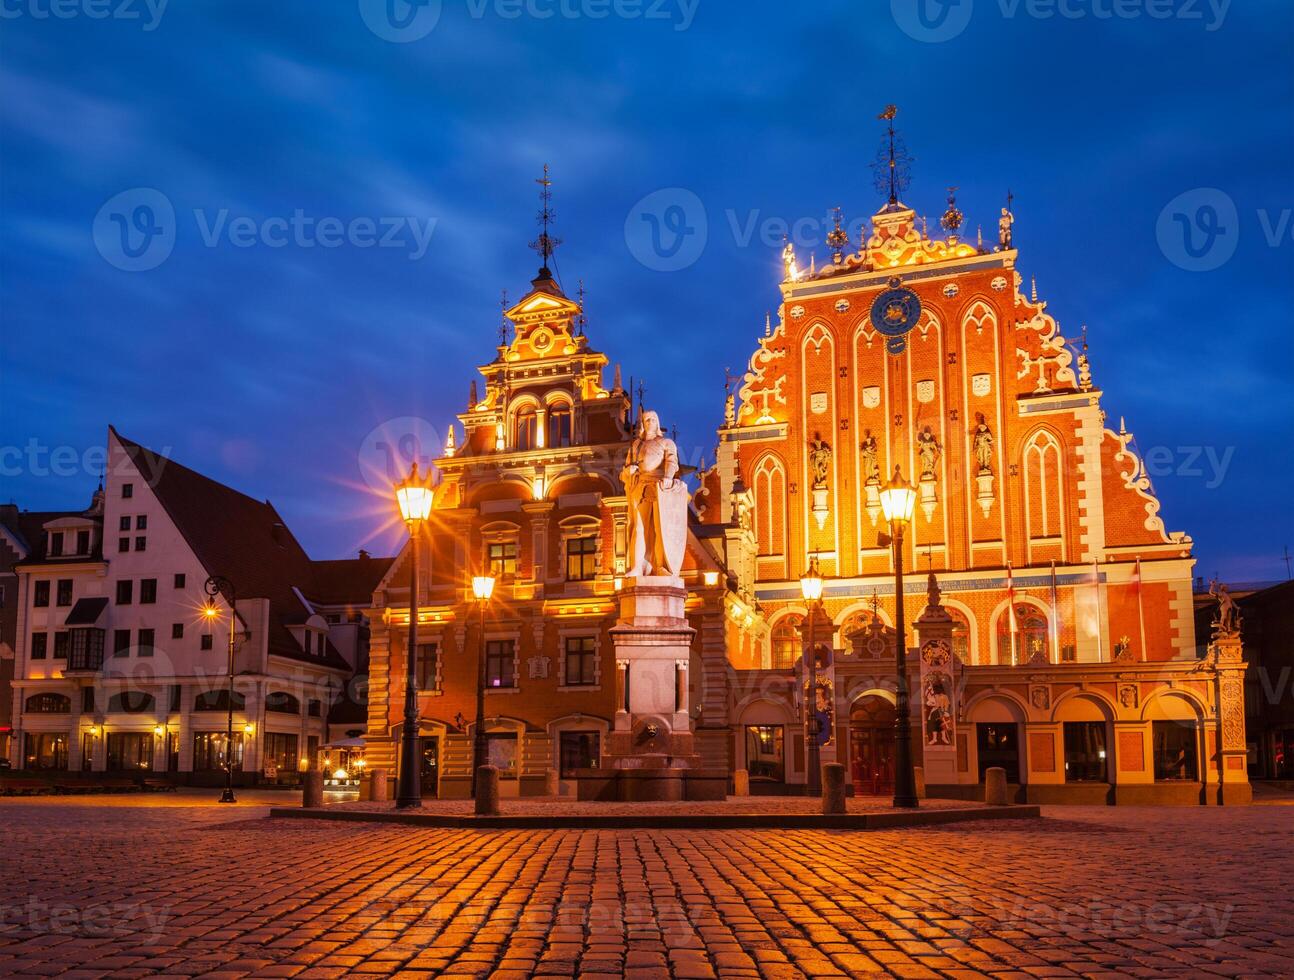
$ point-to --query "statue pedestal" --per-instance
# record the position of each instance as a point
(649, 753)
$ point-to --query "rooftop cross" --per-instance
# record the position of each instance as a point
(545, 243)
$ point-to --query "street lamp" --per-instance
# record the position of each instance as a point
(218, 585)
(897, 502)
(414, 498)
(482, 589)
(811, 589)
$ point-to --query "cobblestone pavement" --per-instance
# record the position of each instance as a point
(161, 888)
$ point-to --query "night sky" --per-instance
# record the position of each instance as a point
(267, 357)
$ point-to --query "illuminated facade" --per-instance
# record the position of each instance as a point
(1071, 604)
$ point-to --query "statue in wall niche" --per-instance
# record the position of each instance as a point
(657, 503)
(928, 450)
(982, 444)
(871, 458)
(820, 460)
(1227, 621)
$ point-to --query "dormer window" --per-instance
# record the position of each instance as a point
(56, 544)
(82, 542)
(559, 426)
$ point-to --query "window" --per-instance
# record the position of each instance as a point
(87, 700)
(581, 660)
(121, 643)
(39, 646)
(147, 642)
(40, 597)
(426, 667)
(205, 642)
(123, 544)
(125, 592)
(131, 702)
(82, 542)
(499, 664)
(766, 753)
(283, 703)
(56, 544)
(218, 700)
(1175, 751)
(559, 427)
(1085, 753)
(961, 634)
(49, 703)
(578, 750)
(281, 751)
(501, 556)
(581, 558)
(177, 631)
(45, 750)
(124, 523)
(179, 580)
(147, 590)
(140, 542)
(127, 491)
(998, 744)
(209, 751)
(314, 708)
(130, 750)
(524, 438)
(1030, 635)
(501, 751)
(61, 640)
(64, 594)
(786, 643)
(141, 522)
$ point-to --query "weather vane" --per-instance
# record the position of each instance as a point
(545, 243)
(893, 166)
(503, 318)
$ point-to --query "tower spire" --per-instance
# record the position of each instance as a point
(545, 244)
(892, 162)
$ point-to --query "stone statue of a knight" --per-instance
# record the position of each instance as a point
(657, 503)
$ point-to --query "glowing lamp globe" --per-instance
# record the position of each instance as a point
(482, 586)
(898, 500)
(811, 582)
(414, 498)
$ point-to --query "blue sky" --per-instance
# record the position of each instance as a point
(268, 358)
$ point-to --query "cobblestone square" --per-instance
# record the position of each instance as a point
(177, 886)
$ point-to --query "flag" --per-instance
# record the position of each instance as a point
(1010, 611)
(1055, 617)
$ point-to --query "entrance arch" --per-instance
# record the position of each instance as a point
(871, 745)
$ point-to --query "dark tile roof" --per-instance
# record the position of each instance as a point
(240, 538)
(342, 581)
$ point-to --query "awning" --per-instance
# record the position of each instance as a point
(86, 612)
(346, 743)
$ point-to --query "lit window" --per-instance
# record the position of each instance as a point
(500, 664)
(581, 559)
(501, 556)
(524, 430)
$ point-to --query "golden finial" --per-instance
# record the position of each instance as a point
(837, 238)
(952, 218)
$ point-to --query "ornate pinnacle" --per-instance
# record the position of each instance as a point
(545, 244)
(952, 218)
(837, 238)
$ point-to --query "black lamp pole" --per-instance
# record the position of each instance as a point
(478, 738)
(905, 782)
(218, 585)
(409, 791)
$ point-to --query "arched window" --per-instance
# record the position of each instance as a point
(559, 426)
(523, 434)
(786, 642)
(1044, 493)
(770, 506)
(218, 700)
(1030, 635)
(131, 702)
(961, 634)
(49, 703)
(282, 702)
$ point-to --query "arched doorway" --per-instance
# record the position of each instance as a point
(871, 745)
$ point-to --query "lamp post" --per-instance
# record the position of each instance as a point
(811, 589)
(482, 589)
(218, 585)
(414, 498)
(897, 501)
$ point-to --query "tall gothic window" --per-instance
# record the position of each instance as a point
(524, 430)
(770, 506)
(786, 643)
(559, 427)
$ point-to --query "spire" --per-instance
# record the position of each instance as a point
(581, 321)
(837, 238)
(1033, 289)
(618, 384)
(768, 324)
(471, 397)
(952, 218)
(892, 167)
(545, 244)
(503, 318)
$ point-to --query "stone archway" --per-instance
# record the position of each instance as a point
(871, 745)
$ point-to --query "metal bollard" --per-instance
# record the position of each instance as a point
(995, 787)
(380, 789)
(833, 788)
(312, 789)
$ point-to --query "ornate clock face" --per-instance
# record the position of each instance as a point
(896, 311)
